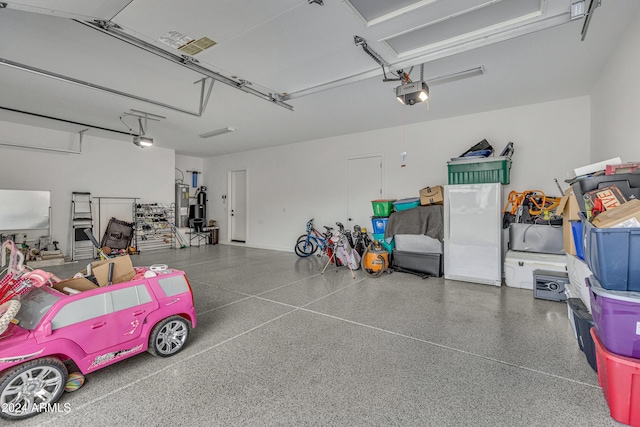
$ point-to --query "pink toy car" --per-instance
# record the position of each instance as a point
(94, 328)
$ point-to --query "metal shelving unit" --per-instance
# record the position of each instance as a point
(152, 226)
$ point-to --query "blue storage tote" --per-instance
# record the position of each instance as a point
(576, 231)
(405, 204)
(612, 255)
(379, 224)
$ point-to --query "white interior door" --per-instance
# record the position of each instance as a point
(364, 184)
(238, 206)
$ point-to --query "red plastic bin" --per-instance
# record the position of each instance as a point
(619, 378)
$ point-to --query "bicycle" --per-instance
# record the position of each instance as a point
(308, 243)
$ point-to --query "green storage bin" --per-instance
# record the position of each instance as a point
(479, 171)
(382, 207)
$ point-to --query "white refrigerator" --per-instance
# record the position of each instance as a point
(473, 233)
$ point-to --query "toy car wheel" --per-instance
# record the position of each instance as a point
(31, 387)
(169, 336)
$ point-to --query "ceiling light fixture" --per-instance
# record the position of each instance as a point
(410, 93)
(217, 132)
(143, 141)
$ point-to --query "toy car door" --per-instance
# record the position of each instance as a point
(102, 321)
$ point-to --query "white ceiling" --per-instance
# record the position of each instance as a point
(302, 51)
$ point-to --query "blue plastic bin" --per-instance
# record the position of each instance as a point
(612, 255)
(379, 224)
(576, 231)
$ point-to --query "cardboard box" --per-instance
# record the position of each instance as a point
(122, 271)
(432, 196)
(568, 208)
(613, 217)
(79, 284)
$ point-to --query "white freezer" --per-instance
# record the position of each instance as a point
(473, 233)
(519, 267)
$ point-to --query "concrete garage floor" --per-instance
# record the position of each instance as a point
(278, 343)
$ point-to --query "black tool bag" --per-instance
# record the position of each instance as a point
(482, 145)
(118, 234)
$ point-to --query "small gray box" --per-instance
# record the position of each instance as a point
(541, 238)
(550, 285)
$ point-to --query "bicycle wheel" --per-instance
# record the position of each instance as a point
(305, 246)
(371, 272)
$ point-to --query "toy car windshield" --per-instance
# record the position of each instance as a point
(34, 306)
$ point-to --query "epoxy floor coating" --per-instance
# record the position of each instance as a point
(280, 344)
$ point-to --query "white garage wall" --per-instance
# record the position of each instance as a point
(615, 100)
(105, 168)
(287, 185)
(188, 163)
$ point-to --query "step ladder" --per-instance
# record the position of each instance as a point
(81, 219)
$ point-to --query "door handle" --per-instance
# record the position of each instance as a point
(98, 325)
(138, 312)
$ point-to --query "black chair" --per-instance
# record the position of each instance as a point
(197, 232)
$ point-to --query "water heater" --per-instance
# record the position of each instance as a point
(182, 205)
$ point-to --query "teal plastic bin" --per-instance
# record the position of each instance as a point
(388, 246)
(405, 204)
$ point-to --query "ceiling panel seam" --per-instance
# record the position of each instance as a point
(186, 61)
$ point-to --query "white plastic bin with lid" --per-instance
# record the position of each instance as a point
(578, 271)
(519, 267)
